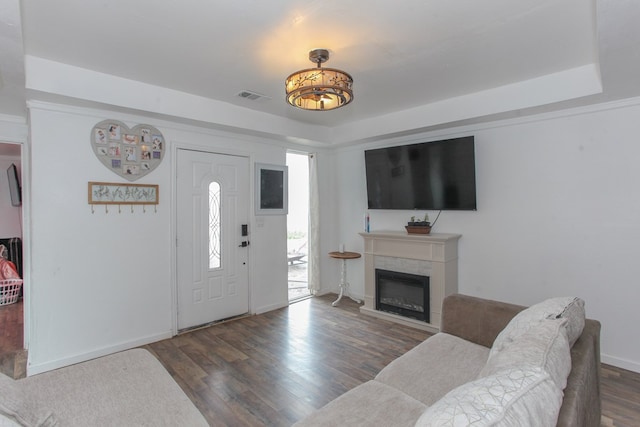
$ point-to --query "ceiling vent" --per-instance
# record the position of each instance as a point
(252, 96)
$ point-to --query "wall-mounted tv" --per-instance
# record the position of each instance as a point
(439, 175)
(14, 185)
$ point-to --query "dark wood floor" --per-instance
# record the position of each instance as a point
(620, 397)
(11, 327)
(13, 357)
(275, 368)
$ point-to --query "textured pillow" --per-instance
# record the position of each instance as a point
(514, 397)
(544, 346)
(570, 308)
(15, 406)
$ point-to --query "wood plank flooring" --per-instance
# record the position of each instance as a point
(620, 397)
(275, 368)
(13, 357)
(11, 327)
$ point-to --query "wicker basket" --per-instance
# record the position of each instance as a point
(10, 291)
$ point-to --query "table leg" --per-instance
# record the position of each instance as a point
(344, 285)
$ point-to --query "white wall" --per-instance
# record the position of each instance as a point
(99, 282)
(558, 214)
(11, 216)
(103, 282)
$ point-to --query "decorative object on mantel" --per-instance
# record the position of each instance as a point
(419, 227)
(109, 193)
(130, 153)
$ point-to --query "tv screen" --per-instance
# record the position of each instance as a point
(438, 175)
(14, 185)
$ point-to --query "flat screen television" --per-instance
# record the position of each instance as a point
(14, 185)
(439, 175)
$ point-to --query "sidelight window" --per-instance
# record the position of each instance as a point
(214, 225)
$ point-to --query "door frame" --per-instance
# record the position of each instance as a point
(25, 215)
(174, 218)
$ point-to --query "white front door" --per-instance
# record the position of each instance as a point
(213, 204)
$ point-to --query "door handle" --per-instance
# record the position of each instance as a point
(244, 244)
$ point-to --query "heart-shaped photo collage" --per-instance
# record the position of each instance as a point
(130, 153)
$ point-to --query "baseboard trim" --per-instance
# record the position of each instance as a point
(271, 307)
(33, 369)
(618, 362)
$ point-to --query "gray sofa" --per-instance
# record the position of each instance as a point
(124, 389)
(428, 378)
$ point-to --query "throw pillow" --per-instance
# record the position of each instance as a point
(544, 345)
(570, 308)
(514, 397)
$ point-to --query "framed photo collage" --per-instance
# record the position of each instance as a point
(130, 153)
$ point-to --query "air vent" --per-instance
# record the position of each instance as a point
(253, 96)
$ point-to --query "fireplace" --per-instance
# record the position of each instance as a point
(434, 255)
(404, 294)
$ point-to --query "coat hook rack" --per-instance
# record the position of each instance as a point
(106, 193)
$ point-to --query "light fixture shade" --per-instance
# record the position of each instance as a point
(319, 89)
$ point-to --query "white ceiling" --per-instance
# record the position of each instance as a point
(402, 54)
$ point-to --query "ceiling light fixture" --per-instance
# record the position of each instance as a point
(319, 89)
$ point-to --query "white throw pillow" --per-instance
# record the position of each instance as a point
(570, 308)
(514, 397)
(545, 345)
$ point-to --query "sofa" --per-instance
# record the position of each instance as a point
(130, 388)
(492, 363)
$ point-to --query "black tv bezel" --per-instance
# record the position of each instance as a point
(471, 141)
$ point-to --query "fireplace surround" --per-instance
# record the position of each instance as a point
(434, 255)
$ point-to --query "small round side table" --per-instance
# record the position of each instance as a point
(344, 285)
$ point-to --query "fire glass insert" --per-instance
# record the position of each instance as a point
(403, 293)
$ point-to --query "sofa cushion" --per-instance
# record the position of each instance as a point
(369, 404)
(514, 397)
(544, 345)
(434, 367)
(15, 405)
(570, 308)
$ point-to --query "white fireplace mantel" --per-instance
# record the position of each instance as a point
(438, 249)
